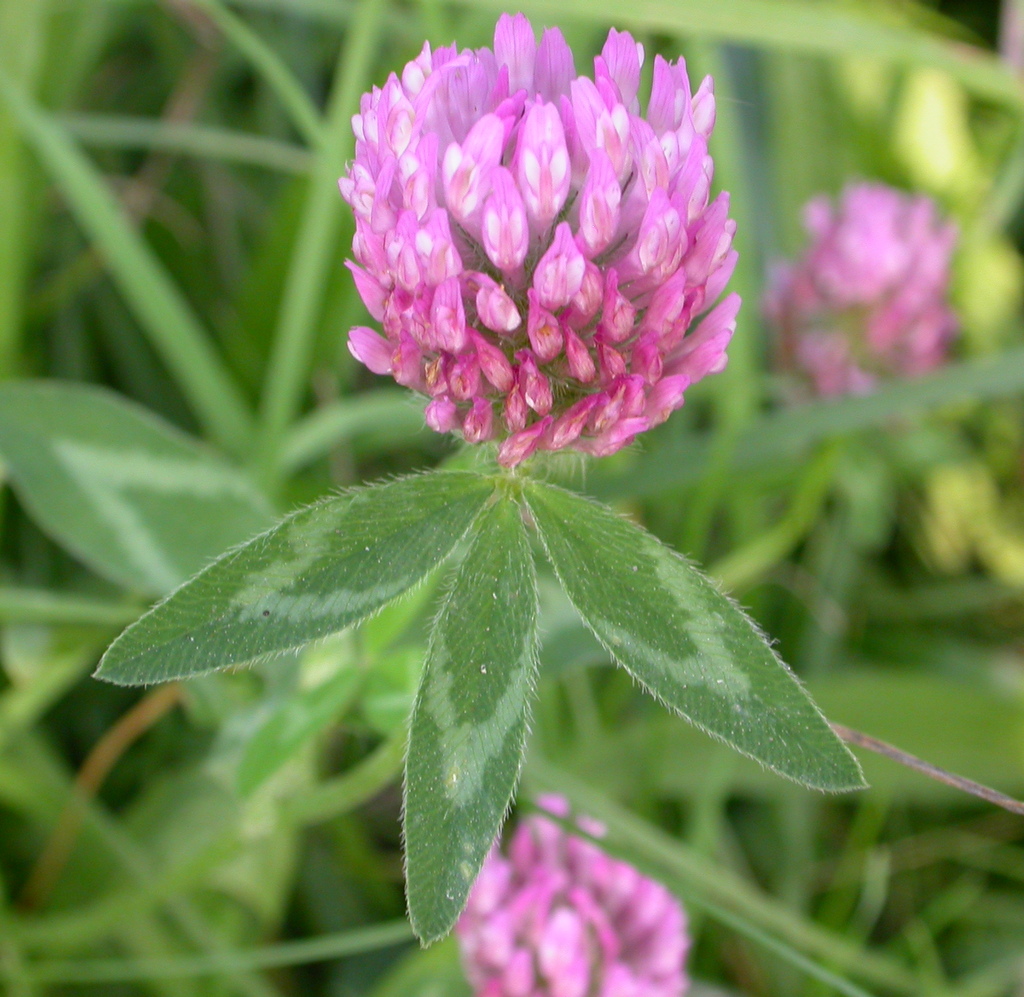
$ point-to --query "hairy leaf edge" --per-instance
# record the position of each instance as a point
(534, 641)
(103, 669)
(850, 787)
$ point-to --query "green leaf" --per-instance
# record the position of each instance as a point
(685, 642)
(299, 716)
(469, 723)
(390, 689)
(139, 502)
(320, 570)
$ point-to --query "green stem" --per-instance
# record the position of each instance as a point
(13, 966)
(995, 980)
(22, 705)
(840, 904)
(739, 388)
(104, 829)
(583, 706)
(335, 13)
(313, 258)
(304, 115)
(299, 953)
(110, 914)
(746, 565)
(25, 605)
(707, 821)
(1008, 188)
(834, 562)
(391, 412)
(187, 138)
(22, 32)
(745, 927)
(361, 783)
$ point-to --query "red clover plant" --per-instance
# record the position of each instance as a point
(545, 263)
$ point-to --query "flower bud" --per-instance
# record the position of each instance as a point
(559, 274)
(496, 309)
(466, 169)
(543, 330)
(542, 164)
(504, 228)
(370, 349)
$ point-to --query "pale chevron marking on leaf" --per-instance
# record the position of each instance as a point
(86, 465)
(688, 670)
(104, 474)
(315, 573)
(729, 679)
(135, 469)
(309, 542)
(478, 741)
(470, 718)
(320, 606)
(711, 663)
(673, 612)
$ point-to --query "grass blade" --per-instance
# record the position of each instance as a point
(314, 254)
(468, 729)
(390, 412)
(299, 953)
(164, 314)
(187, 138)
(28, 605)
(304, 115)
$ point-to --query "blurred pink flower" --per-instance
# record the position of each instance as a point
(534, 248)
(558, 917)
(868, 299)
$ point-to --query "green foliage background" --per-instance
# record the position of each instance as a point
(170, 229)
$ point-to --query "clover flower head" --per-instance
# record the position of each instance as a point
(868, 299)
(558, 917)
(535, 249)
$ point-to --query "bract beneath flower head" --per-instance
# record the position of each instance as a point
(535, 249)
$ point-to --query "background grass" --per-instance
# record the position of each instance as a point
(170, 229)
